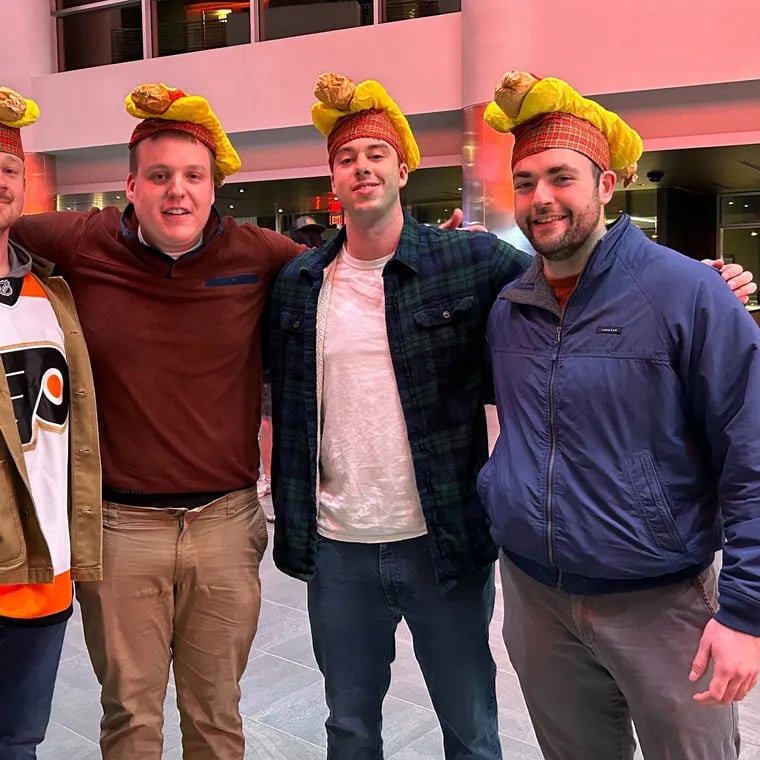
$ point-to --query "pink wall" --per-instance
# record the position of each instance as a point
(603, 47)
(260, 86)
(26, 49)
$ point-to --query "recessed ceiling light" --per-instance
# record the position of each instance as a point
(279, 210)
(242, 189)
(754, 233)
(118, 197)
(459, 188)
(231, 206)
(730, 203)
(746, 205)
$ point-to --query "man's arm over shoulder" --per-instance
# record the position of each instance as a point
(720, 365)
(507, 262)
(282, 249)
(54, 236)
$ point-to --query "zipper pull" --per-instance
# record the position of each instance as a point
(559, 332)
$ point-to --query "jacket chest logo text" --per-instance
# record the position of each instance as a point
(38, 380)
(605, 330)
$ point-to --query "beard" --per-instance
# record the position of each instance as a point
(580, 226)
(9, 211)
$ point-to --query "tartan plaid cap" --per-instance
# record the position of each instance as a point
(370, 123)
(560, 130)
(149, 127)
(10, 141)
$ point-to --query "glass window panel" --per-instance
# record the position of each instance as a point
(291, 18)
(184, 26)
(740, 209)
(400, 10)
(640, 205)
(96, 38)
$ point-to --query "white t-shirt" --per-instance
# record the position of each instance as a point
(368, 492)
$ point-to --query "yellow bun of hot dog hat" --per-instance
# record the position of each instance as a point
(346, 111)
(549, 113)
(163, 108)
(16, 112)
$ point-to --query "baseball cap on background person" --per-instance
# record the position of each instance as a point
(345, 111)
(548, 113)
(163, 108)
(307, 231)
(15, 112)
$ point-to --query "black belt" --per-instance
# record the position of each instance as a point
(162, 500)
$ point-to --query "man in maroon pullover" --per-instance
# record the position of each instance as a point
(170, 297)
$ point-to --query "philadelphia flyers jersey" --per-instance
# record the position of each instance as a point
(34, 361)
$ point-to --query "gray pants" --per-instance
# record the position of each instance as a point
(589, 666)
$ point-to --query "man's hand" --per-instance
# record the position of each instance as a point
(736, 662)
(454, 222)
(738, 280)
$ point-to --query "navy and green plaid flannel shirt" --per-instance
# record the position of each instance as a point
(439, 288)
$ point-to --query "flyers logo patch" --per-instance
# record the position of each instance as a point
(38, 379)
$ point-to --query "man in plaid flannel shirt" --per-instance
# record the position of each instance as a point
(378, 390)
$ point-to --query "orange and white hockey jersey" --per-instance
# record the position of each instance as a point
(34, 361)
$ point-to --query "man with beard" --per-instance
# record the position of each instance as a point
(50, 527)
(628, 387)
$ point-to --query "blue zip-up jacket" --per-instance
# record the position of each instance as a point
(629, 447)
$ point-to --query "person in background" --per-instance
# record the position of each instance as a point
(307, 231)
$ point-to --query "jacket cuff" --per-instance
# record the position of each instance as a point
(738, 613)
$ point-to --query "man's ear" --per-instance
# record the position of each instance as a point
(607, 183)
(130, 187)
(403, 175)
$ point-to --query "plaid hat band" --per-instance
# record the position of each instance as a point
(10, 141)
(371, 123)
(560, 130)
(149, 127)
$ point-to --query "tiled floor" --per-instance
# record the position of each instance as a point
(282, 700)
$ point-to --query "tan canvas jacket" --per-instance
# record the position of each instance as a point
(24, 555)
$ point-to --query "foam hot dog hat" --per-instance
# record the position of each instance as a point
(16, 112)
(164, 108)
(549, 113)
(345, 111)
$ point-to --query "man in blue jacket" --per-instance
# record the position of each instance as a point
(628, 387)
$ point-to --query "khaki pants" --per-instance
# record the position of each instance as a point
(180, 587)
(590, 665)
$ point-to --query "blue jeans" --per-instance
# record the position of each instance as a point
(29, 657)
(357, 597)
